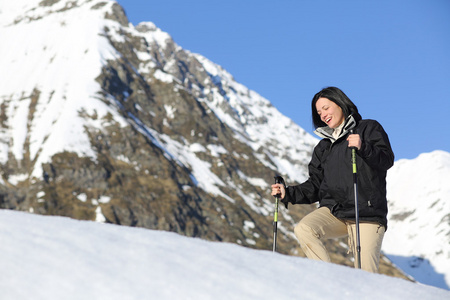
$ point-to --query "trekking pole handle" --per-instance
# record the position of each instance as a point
(352, 131)
(353, 156)
(279, 179)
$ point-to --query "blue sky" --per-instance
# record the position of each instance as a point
(392, 58)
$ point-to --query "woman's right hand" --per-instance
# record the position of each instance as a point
(278, 190)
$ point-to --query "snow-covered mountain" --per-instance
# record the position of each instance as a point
(50, 258)
(418, 238)
(103, 120)
(54, 54)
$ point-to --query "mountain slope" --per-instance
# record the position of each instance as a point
(60, 258)
(418, 239)
(104, 120)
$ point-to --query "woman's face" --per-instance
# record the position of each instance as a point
(330, 113)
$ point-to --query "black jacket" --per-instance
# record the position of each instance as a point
(331, 177)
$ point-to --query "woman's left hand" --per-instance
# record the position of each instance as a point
(354, 140)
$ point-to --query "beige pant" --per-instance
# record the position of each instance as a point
(321, 224)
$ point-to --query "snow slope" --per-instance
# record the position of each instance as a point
(44, 257)
(418, 238)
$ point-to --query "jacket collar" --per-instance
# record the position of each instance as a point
(327, 132)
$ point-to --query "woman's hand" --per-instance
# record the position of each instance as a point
(354, 140)
(278, 190)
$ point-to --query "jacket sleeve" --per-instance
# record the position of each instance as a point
(375, 148)
(308, 191)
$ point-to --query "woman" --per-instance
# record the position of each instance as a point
(330, 181)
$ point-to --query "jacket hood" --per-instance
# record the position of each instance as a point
(327, 132)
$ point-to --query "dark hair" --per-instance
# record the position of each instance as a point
(337, 96)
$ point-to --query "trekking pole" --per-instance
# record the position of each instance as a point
(355, 187)
(278, 179)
